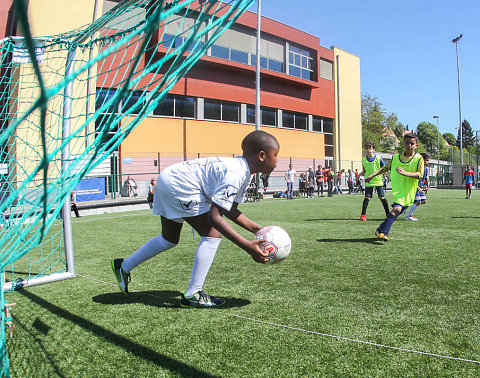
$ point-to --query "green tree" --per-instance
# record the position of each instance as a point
(468, 137)
(450, 138)
(428, 134)
(373, 119)
(395, 125)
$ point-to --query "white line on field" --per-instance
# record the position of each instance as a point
(144, 212)
(318, 333)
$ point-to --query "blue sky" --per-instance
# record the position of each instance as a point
(407, 58)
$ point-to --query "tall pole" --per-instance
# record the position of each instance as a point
(257, 83)
(455, 40)
(438, 148)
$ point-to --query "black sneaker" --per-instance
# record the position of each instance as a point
(200, 300)
(123, 278)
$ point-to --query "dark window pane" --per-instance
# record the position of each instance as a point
(275, 65)
(105, 121)
(295, 71)
(295, 49)
(307, 74)
(269, 116)
(164, 107)
(329, 139)
(178, 41)
(329, 151)
(103, 95)
(317, 124)
(263, 62)
(220, 52)
(328, 125)
(250, 114)
(131, 102)
(185, 107)
(239, 56)
(297, 60)
(230, 112)
(291, 57)
(304, 62)
(288, 120)
(212, 109)
(301, 121)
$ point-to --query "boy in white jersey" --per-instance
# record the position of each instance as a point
(201, 192)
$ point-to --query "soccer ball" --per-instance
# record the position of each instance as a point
(276, 244)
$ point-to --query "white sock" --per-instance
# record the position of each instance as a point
(151, 248)
(412, 209)
(201, 264)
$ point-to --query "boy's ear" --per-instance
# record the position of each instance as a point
(262, 155)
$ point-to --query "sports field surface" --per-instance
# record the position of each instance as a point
(342, 304)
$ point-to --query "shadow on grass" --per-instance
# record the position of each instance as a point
(356, 240)
(174, 366)
(341, 219)
(157, 298)
(467, 217)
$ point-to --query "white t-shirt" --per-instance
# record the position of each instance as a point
(291, 175)
(188, 188)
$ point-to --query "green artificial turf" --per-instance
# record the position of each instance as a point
(314, 314)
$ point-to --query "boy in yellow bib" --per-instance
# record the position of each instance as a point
(405, 170)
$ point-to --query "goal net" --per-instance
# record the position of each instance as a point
(66, 103)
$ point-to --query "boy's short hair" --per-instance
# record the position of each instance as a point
(370, 144)
(257, 141)
(425, 156)
(411, 136)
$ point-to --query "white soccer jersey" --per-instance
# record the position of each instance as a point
(188, 188)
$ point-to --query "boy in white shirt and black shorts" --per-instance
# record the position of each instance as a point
(202, 192)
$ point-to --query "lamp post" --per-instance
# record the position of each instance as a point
(438, 148)
(455, 40)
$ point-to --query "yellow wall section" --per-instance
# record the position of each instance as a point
(49, 17)
(155, 134)
(349, 117)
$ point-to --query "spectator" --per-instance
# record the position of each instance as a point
(264, 177)
(73, 204)
(330, 177)
(151, 192)
(338, 182)
(131, 185)
(290, 179)
(351, 181)
(319, 176)
(310, 182)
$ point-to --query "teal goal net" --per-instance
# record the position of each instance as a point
(66, 103)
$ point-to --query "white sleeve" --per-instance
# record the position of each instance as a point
(228, 190)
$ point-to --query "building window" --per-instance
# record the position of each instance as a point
(300, 62)
(103, 96)
(212, 109)
(301, 122)
(250, 113)
(288, 120)
(230, 111)
(329, 151)
(176, 106)
(239, 56)
(268, 116)
(220, 52)
(326, 69)
(317, 124)
(328, 125)
(131, 103)
(329, 139)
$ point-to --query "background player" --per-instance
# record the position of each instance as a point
(405, 170)
(372, 163)
(202, 192)
(469, 178)
(423, 185)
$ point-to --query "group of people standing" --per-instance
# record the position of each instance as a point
(321, 178)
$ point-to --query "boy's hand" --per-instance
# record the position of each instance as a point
(401, 170)
(367, 179)
(256, 252)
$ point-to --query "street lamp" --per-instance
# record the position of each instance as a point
(438, 148)
(455, 40)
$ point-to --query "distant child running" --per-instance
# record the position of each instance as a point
(421, 195)
(372, 163)
(405, 170)
(202, 192)
(469, 178)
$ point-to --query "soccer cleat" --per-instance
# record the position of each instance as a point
(200, 300)
(381, 235)
(411, 218)
(363, 217)
(123, 278)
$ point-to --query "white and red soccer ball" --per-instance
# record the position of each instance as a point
(276, 243)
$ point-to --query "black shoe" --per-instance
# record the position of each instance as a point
(123, 278)
(200, 300)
